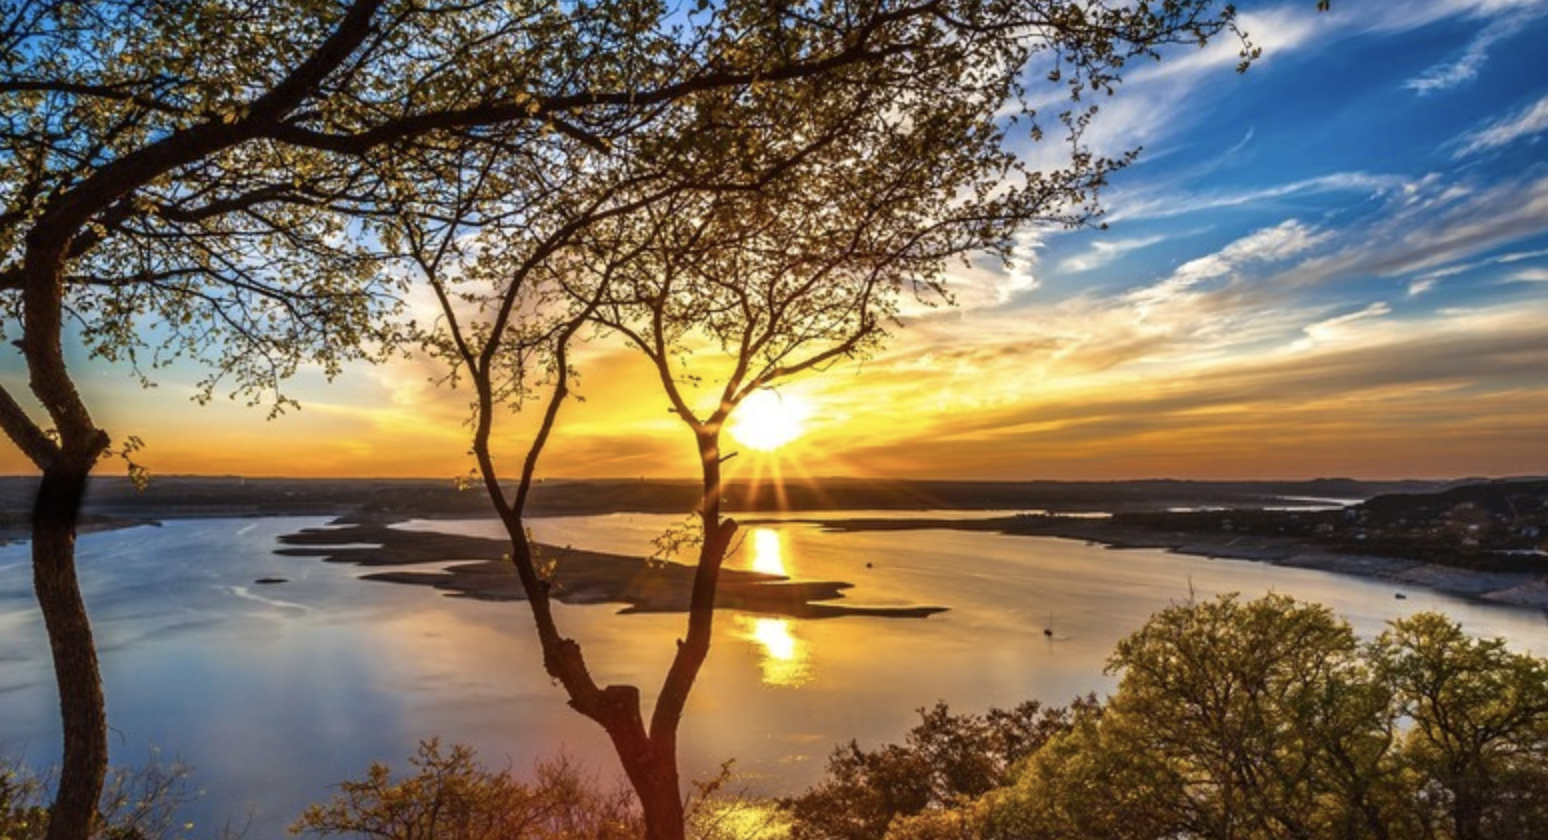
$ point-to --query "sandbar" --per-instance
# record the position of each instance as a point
(476, 568)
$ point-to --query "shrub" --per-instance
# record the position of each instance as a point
(452, 797)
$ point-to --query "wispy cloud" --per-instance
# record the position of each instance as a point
(1518, 256)
(1434, 235)
(1363, 396)
(1407, 16)
(1166, 201)
(1105, 251)
(1337, 328)
(1465, 67)
(1283, 241)
(1430, 278)
(1526, 122)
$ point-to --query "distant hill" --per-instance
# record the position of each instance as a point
(1489, 525)
(185, 496)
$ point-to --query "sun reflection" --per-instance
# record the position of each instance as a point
(786, 661)
(767, 553)
(745, 819)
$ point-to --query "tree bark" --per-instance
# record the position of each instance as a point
(82, 707)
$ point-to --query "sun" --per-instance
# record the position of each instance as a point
(767, 420)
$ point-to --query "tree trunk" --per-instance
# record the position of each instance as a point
(651, 765)
(82, 708)
(661, 797)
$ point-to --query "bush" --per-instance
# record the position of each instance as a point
(452, 797)
(946, 760)
(138, 803)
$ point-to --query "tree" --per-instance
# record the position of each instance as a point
(1248, 720)
(1260, 717)
(137, 189)
(1478, 738)
(775, 222)
(138, 803)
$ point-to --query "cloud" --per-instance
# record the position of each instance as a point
(1530, 275)
(1394, 18)
(1527, 122)
(1105, 251)
(1165, 201)
(1370, 384)
(1283, 241)
(1371, 432)
(1338, 328)
(1429, 279)
(1435, 234)
(1464, 68)
(1518, 256)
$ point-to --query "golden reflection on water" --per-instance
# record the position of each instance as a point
(768, 554)
(786, 658)
(742, 819)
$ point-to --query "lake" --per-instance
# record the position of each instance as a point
(274, 692)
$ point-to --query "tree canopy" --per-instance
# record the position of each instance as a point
(1251, 720)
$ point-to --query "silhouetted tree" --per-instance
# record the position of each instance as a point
(775, 223)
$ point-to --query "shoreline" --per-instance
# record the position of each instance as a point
(1518, 589)
(618, 579)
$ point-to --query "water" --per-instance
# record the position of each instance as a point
(275, 692)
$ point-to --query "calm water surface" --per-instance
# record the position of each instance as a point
(274, 692)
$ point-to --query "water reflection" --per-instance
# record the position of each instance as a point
(205, 674)
(742, 818)
(767, 554)
(785, 657)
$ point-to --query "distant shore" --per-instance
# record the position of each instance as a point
(1479, 538)
(1521, 589)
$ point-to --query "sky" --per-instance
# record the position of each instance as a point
(1335, 264)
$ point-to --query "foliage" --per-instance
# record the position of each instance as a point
(946, 760)
(452, 797)
(138, 803)
(1477, 742)
(1247, 713)
(1247, 720)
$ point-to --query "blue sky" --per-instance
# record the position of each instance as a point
(1335, 264)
